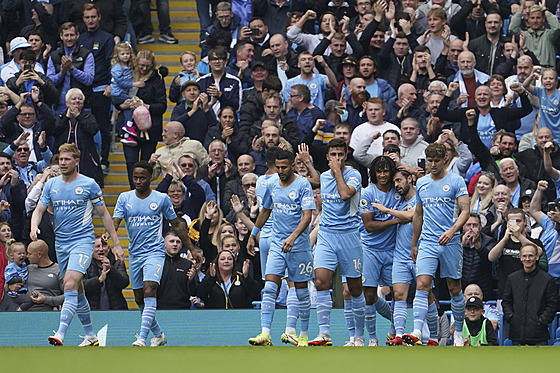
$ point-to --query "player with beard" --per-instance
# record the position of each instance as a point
(291, 199)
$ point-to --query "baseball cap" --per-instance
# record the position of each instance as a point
(17, 43)
(527, 194)
(257, 63)
(349, 61)
(474, 302)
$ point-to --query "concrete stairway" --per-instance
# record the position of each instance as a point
(185, 26)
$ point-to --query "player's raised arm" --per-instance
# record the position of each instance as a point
(35, 220)
(110, 228)
(181, 230)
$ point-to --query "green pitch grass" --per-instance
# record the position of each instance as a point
(270, 359)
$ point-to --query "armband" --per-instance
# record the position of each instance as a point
(255, 231)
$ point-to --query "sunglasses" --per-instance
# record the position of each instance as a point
(22, 149)
(187, 165)
(248, 185)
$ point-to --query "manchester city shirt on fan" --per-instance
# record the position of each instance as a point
(144, 220)
(72, 207)
(549, 110)
(438, 200)
(287, 205)
(336, 213)
(382, 240)
(261, 190)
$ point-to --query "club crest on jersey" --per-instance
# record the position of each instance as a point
(292, 194)
(79, 190)
(313, 85)
(363, 202)
(153, 205)
(397, 196)
(446, 188)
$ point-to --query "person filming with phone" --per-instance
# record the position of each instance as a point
(513, 235)
(27, 78)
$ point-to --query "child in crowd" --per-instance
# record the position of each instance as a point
(122, 82)
(477, 329)
(549, 96)
(16, 273)
(189, 72)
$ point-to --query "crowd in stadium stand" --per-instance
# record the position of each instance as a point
(386, 77)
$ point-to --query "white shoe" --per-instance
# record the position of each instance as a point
(89, 340)
(139, 342)
(373, 343)
(56, 339)
(158, 341)
(458, 339)
(349, 343)
(359, 342)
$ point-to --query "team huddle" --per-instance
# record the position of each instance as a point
(399, 226)
(385, 235)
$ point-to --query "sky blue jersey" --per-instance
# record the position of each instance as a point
(438, 200)
(144, 220)
(404, 234)
(336, 213)
(385, 239)
(261, 191)
(287, 205)
(72, 206)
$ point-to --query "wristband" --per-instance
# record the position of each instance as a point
(255, 231)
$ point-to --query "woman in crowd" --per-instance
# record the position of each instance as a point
(79, 127)
(237, 143)
(153, 97)
(105, 278)
(483, 192)
(206, 229)
(497, 85)
(225, 288)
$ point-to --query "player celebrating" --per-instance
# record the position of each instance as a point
(73, 197)
(291, 198)
(403, 267)
(339, 242)
(436, 197)
(379, 239)
(143, 210)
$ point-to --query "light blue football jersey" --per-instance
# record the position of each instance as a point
(261, 191)
(144, 220)
(385, 239)
(336, 213)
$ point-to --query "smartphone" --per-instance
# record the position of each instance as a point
(254, 31)
(422, 163)
(27, 67)
(551, 206)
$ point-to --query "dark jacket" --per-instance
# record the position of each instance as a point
(474, 327)
(335, 62)
(47, 92)
(153, 94)
(194, 197)
(113, 19)
(481, 47)
(477, 268)
(504, 118)
(530, 303)
(270, 63)
(443, 68)
(462, 21)
(80, 130)
(394, 68)
(11, 129)
(101, 44)
(243, 290)
(218, 182)
(175, 289)
(534, 167)
(233, 187)
(202, 126)
(274, 16)
(116, 281)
